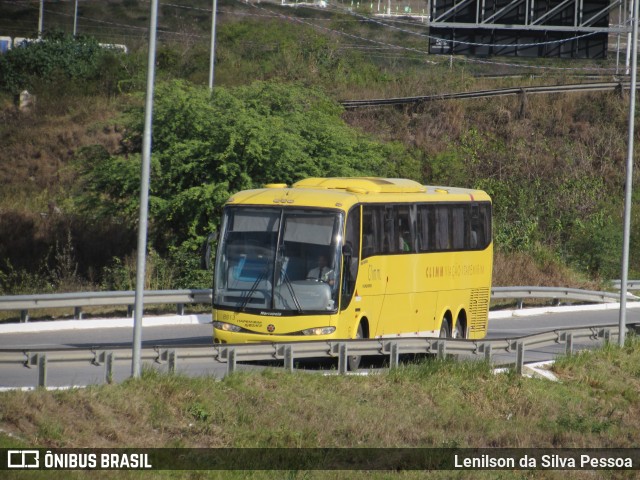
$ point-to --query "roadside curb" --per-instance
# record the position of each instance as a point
(531, 312)
(59, 325)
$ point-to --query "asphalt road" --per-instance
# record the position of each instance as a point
(513, 325)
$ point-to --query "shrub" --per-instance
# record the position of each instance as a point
(57, 60)
(207, 147)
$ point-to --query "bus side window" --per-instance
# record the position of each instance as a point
(390, 243)
(367, 245)
(374, 236)
(368, 239)
(473, 240)
(403, 229)
(425, 228)
(476, 227)
(442, 224)
(459, 227)
(480, 222)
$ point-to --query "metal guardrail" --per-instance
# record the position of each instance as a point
(584, 87)
(285, 354)
(631, 284)
(557, 294)
(77, 301)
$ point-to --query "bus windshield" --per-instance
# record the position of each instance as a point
(278, 260)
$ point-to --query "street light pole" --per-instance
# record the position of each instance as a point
(144, 196)
(75, 19)
(213, 44)
(629, 179)
(40, 19)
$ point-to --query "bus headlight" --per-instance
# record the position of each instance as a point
(319, 331)
(227, 327)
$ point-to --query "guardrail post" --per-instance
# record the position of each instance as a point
(568, 349)
(172, 358)
(24, 316)
(487, 352)
(108, 367)
(180, 308)
(342, 358)
(520, 358)
(231, 360)
(129, 310)
(394, 356)
(520, 304)
(288, 358)
(42, 369)
(607, 336)
(77, 313)
(442, 349)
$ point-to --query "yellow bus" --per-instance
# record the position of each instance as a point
(343, 258)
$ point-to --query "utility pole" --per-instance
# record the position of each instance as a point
(629, 35)
(40, 20)
(213, 44)
(75, 20)
(629, 180)
(144, 196)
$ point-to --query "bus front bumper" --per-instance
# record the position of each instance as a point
(222, 335)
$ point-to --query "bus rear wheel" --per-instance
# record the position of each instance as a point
(353, 361)
(459, 332)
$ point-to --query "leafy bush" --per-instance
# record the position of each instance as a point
(205, 147)
(595, 245)
(58, 59)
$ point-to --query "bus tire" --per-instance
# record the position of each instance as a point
(459, 331)
(353, 361)
(445, 331)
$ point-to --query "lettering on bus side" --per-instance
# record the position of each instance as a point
(440, 271)
(374, 273)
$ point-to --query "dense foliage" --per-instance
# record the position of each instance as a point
(554, 165)
(557, 178)
(72, 64)
(207, 146)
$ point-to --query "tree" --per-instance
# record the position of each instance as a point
(205, 147)
(58, 59)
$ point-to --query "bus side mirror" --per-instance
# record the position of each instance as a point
(205, 260)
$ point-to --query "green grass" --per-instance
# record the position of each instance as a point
(596, 404)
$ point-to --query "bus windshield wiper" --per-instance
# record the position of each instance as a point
(289, 285)
(254, 287)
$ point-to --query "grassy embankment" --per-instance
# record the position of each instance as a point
(596, 403)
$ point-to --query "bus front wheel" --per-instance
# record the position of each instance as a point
(444, 328)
